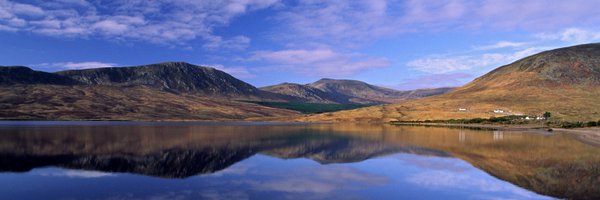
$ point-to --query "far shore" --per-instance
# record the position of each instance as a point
(504, 127)
(589, 136)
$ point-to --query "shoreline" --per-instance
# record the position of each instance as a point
(588, 135)
(482, 126)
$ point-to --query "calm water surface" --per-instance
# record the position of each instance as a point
(139, 160)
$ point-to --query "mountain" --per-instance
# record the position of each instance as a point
(165, 91)
(565, 82)
(23, 75)
(171, 91)
(179, 77)
(358, 91)
(349, 92)
(306, 93)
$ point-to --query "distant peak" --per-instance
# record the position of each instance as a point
(337, 81)
(178, 63)
(16, 68)
(326, 79)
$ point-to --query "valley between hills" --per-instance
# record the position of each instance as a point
(565, 82)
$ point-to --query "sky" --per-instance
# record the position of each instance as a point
(402, 44)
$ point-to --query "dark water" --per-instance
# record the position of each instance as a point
(129, 160)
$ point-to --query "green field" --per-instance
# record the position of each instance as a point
(309, 108)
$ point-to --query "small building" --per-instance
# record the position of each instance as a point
(498, 111)
(540, 118)
(528, 118)
(462, 109)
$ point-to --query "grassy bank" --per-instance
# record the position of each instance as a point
(509, 120)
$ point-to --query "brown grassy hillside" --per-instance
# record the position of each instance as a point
(121, 103)
(565, 82)
(349, 92)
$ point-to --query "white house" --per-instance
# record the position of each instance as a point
(462, 109)
(540, 118)
(528, 118)
(498, 111)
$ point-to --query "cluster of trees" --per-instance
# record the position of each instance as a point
(579, 124)
(511, 119)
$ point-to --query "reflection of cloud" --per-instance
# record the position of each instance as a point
(78, 174)
(181, 195)
(322, 180)
(452, 180)
(215, 195)
(433, 163)
(237, 169)
(298, 184)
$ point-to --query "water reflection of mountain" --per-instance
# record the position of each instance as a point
(181, 152)
(558, 165)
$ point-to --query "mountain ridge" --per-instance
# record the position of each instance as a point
(168, 76)
(344, 91)
(11, 75)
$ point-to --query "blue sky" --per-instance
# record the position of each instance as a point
(401, 44)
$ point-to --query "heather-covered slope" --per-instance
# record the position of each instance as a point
(165, 91)
(170, 76)
(121, 103)
(349, 92)
(564, 82)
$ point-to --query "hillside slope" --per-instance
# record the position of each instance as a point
(165, 91)
(349, 92)
(83, 102)
(170, 76)
(357, 91)
(307, 93)
(563, 81)
(12, 75)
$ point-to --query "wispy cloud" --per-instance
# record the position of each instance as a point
(441, 64)
(235, 43)
(351, 23)
(311, 26)
(75, 65)
(321, 62)
(435, 81)
(343, 23)
(486, 56)
(165, 22)
(238, 72)
(532, 15)
(572, 36)
(501, 45)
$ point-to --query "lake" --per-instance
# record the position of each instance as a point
(181, 160)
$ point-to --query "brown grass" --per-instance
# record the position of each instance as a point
(533, 96)
(121, 103)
